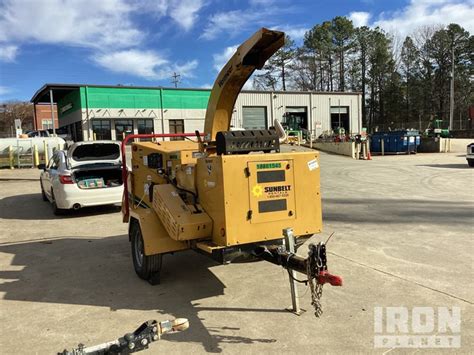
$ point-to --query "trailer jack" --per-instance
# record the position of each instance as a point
(314, 267)
(139, 340)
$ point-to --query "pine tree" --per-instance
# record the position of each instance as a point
(342, 32)
(362, 43)
(318, 44)
(276, 73)
(410, 67)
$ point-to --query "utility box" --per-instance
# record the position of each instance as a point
(395, 142)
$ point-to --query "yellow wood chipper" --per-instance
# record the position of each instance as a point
(227, 194)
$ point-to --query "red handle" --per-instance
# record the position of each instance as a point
(326, 277)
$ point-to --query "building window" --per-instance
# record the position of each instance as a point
(254, 117)
(123, 128)
(340, 117)
(101, 129)
(47, 124)
(145, 126)
(176, 126)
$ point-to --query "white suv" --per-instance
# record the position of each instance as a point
(470, 155)
(87, 174)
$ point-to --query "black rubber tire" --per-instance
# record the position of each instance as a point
(57, 211)
(43, 195)
(147, 267)
(470, 162)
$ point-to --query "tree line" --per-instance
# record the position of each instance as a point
(404, 83)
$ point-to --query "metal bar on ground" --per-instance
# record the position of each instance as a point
(10, 157)
(45, 153)
(18, 164)
(35, 155)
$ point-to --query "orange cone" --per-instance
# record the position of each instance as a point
(369, 156)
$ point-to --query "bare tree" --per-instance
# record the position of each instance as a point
(15, 110)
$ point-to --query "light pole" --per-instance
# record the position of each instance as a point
(451, 95)
(51, 101)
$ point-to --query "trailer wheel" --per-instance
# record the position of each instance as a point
(147, 267)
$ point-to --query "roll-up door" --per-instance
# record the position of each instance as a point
(254, 117)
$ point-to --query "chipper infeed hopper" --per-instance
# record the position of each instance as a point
(228, 194)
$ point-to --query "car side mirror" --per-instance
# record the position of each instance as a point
(42, 166)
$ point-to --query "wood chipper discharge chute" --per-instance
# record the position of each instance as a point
(228, 194)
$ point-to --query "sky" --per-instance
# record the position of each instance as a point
(142, 42)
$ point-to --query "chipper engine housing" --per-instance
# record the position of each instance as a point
(241, 198)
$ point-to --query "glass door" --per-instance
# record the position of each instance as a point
(123, 128)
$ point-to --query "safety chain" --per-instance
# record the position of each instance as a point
(316, 263)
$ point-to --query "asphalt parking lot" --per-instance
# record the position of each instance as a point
(403, 236)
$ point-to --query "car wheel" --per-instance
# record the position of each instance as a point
(470, 162)
(147, 267)
(43, 195)
(57, 211)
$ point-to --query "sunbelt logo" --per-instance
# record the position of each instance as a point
(282, 188)
(269, 166)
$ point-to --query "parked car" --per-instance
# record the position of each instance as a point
(87, 174)
(38, 133)
(470, 155)
(61, 132)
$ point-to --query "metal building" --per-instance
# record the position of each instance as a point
(89, 112)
